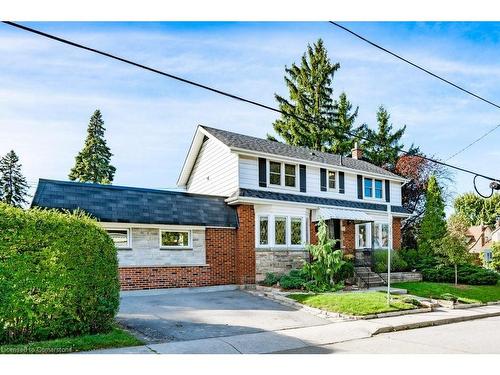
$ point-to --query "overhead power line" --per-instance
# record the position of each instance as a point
(429, 73)
(220, 92)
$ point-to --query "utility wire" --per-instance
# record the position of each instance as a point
(474, 142)
(220, 92)
(431, 74)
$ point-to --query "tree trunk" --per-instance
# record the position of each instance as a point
(456, 275)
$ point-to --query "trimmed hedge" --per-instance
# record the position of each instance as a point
(467, 274)
(58, 275)
(398, 264)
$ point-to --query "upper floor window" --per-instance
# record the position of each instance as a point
(282, 174)
(290, 175)
(274, 173)
(373, 188)
(120, 238)
(331, 180)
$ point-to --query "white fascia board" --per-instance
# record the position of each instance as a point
(113, 225)
(317, 164)
(251, 200)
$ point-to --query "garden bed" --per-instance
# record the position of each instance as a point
(117, 338)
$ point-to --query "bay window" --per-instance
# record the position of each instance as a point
(363, 235)
(281, 231)
(381, 235)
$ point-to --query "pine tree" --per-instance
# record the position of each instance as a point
(92, 164)
(433, 226)
(13, 185)
(310, 89)
(345, 132)
(383, 145)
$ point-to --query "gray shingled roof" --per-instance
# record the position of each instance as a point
(320, 201)
(246, 142)
(121, 204)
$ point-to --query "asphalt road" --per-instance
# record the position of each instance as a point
(476, 336)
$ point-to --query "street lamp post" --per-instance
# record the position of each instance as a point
(389, 248)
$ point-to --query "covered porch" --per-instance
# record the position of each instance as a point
(356, 232)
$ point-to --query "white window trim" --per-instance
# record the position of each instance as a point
(380, 238)
(257, 231)
(271, 238)
(328, 188)
(190, 239)
(368, 235)
(129, 240)
(282, 175)
(373, 197)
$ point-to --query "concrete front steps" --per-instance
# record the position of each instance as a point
(367, 278)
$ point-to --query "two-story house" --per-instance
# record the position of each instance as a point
(249, 206)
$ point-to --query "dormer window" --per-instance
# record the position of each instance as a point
(282, 174)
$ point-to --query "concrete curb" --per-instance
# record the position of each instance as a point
(430, 323)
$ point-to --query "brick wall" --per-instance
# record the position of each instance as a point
(348, 236)
(313, 232)
(219, 270)
(245, 245)
(396, 233)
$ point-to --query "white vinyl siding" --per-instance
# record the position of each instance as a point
(249, 178)
(215, 171)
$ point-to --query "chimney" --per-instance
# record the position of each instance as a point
(357, 153)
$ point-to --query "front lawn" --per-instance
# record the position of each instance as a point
(467, 293)
(117, 338)
(359, 303)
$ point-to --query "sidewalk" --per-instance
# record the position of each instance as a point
(272, 341)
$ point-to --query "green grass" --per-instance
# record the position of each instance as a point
(115, 339)
(465, 293)
(359, 303)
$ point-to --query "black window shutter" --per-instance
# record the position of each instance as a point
(360, 186)
(322, 177)
(387, 191)
(341, 183)
(262, 172)
(302, 177)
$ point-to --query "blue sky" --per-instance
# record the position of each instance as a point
(48, 91)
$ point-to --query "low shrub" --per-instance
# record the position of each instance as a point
(296, 279)
(467, 274)
(270, 279)
(398, 264)
(411, 257)
(58, 275)
(346, 271)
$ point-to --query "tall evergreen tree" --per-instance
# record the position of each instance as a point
(92, 164)
(310, 89)
(344, 130)
(383, 144)
(433, 225)
(13, 185)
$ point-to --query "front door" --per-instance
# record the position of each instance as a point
(334, 231)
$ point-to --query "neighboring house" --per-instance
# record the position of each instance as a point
(249, 207)
(481, 239)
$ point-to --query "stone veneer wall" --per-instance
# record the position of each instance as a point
(145, 250)
(278, 261)
(399, 277)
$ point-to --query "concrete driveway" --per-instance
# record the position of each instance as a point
(172, 315)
